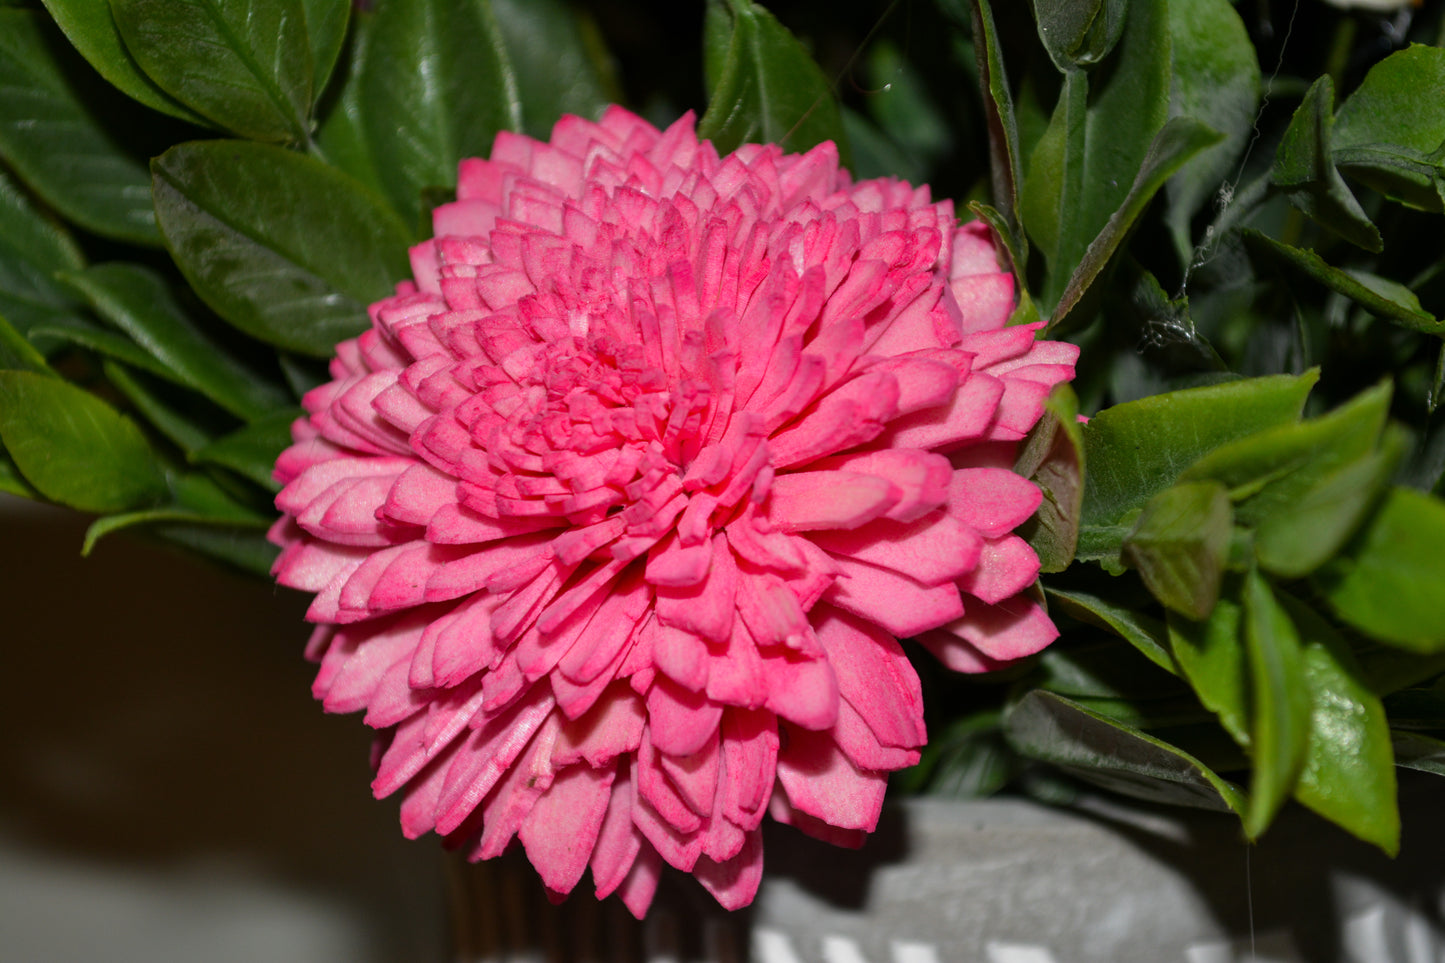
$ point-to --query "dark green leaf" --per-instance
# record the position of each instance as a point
(243, 548)
(1005, 159)
(137, 301)
(102, 341)
(1216, 81)
(1079, 33)
(1179, 546)
(32, 250)
(1349, 769)
(1414, 750)
(18, 354)
(55, 145)
(341, 137)
(183, 426)
(1103, 668)
(968, 759)
(12, 482)
(75, 448)
(556, 73)
(1388, 582)
(1304, 167)
(244, 64)
(1180, 140)
(1280, 703)
(1211, 655)
(436, 87)
(195, 499)
(280, 245)
(770, 90)
(252, 450)
(326, 22)
(1100, 750)
(90, 28)
(1390, 131)
(1143, 632)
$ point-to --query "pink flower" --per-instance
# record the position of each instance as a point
(615, 513)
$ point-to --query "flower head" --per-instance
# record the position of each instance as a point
(615, 513)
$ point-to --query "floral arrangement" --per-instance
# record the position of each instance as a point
(657, 468)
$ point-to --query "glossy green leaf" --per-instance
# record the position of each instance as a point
(769, 89)
(73, 447)
(1280, 703)
(556, 72)
(17, 353)
(137, 301)
(101, 341)
(1179, 545)
(1181, 139)
(1215, 80)
(244, 64)
(1079, 33)
(1272, 469)
(32, 250)
(280, 245)
(53, 142)
(326, 22)
(1052, 457)
(1390, 132)
(1143, 632)
(252, 451)
(1348, 775)
(1305, 169)
(91, 30)
(436, 87)
(1005, 159)
(1098, 749)
(1141, 447)
(1387, 583)
(1211, 655)
(340, 136)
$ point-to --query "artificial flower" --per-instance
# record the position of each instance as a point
(615, 514)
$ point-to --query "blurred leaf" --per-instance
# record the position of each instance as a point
(1104, 668)
(1005, 159)
(1179, 546)
(1079, 33)
(436, 87)
(1052, 457)
(54, 144)
(1210, 653)
(73, 447)
(183, 426)
(1388, 581)
(769, 90)
(1095, 748)
(12, 482)
(902, 104)
(91, 30)
(968, 759)
(1176, 143)
(1393, 302)
(1139, 448)
(1215, 81)
(555, 72)
(1280, 703)
(137, 301)
(1143, 632)
(32, 250)
(1349, 769)
(251, 451)
(18, 354)
(245, 64)
(280, 245)
(195, 499)
(1390, 132)
(326, 22)
(1304, 167)
(1414, 750)
(243, 548)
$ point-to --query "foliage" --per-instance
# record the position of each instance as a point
(1242, 544)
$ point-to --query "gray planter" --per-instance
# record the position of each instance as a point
(1013, 882)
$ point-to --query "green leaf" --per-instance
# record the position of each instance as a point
(1215, 80)
(243, 548)
(185, 427)
(1348, 775)
(968, 759)
(32, 250)
(73, 447)
(1393, 302)
(1052, 457)
(1390, 131)
(1079, 33)
(91, 30)
(326, 22)
(280, 245)
(1139, 448)
(1005, 157)
(1423, 753)
(436, 87)
(1098, 749)
(17, 353)
(1304, 167)
(252, 451)
(1211, 655)
(1388, 582)
(1180, 140)
(95, 338)
(137, 301)
(1280, 703)
(1144, 633)
(769, 90)
(1179, 546)
(1103, 668)
(53, 142)
(556, 73)
(244, 64)
(341, 136)
(195, 499)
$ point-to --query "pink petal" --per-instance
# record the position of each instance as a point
(821, 782)
(562, 828)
